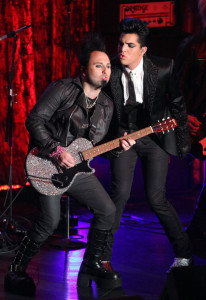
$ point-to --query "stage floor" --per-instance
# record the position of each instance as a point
(142, 254)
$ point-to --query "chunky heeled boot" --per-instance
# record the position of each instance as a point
(17, 281)
(92, 267)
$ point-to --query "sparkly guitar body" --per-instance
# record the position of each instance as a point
(50, 179)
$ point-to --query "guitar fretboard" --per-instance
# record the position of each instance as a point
(97, 150)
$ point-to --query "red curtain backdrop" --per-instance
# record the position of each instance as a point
(41, 57)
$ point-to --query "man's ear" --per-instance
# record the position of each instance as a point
(143, 50)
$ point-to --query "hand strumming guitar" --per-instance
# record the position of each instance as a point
(65, 159)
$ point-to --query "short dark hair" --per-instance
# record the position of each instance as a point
(135, 25)
(91, 42)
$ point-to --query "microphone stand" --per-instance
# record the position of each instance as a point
(9, 124)
(7, 246)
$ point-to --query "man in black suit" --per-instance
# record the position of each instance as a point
(154, 96)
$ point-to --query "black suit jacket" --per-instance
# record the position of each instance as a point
(161, 98)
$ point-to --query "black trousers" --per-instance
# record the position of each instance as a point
(154, 167)
(88, 191)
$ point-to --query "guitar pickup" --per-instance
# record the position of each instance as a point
(81, 156)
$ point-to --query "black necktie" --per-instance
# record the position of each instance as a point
(132, 98)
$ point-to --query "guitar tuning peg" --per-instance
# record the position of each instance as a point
(173, 129)
(163, 132)
(168, 131)
(163, 119)
(168, 117)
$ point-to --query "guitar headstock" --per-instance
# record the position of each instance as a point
(164, 125)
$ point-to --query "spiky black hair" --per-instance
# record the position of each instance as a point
(91, 42)
(135, 25)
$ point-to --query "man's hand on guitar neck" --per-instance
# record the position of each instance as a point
(126, 143)
(194, 124)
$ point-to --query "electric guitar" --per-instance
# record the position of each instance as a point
(48, 178)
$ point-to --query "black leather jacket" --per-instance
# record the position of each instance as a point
(60, 116)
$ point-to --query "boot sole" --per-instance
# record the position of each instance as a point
(85, 280)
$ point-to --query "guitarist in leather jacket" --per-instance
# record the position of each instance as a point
(69, 109)
(154, 96)
(191, 67)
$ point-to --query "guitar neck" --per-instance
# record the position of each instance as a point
(97, 150)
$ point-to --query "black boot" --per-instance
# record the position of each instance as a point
(17, 281)
(92, 267)
(107, 253)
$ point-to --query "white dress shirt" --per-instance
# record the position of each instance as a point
(137, 76)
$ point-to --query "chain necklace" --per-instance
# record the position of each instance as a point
(90, 102)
